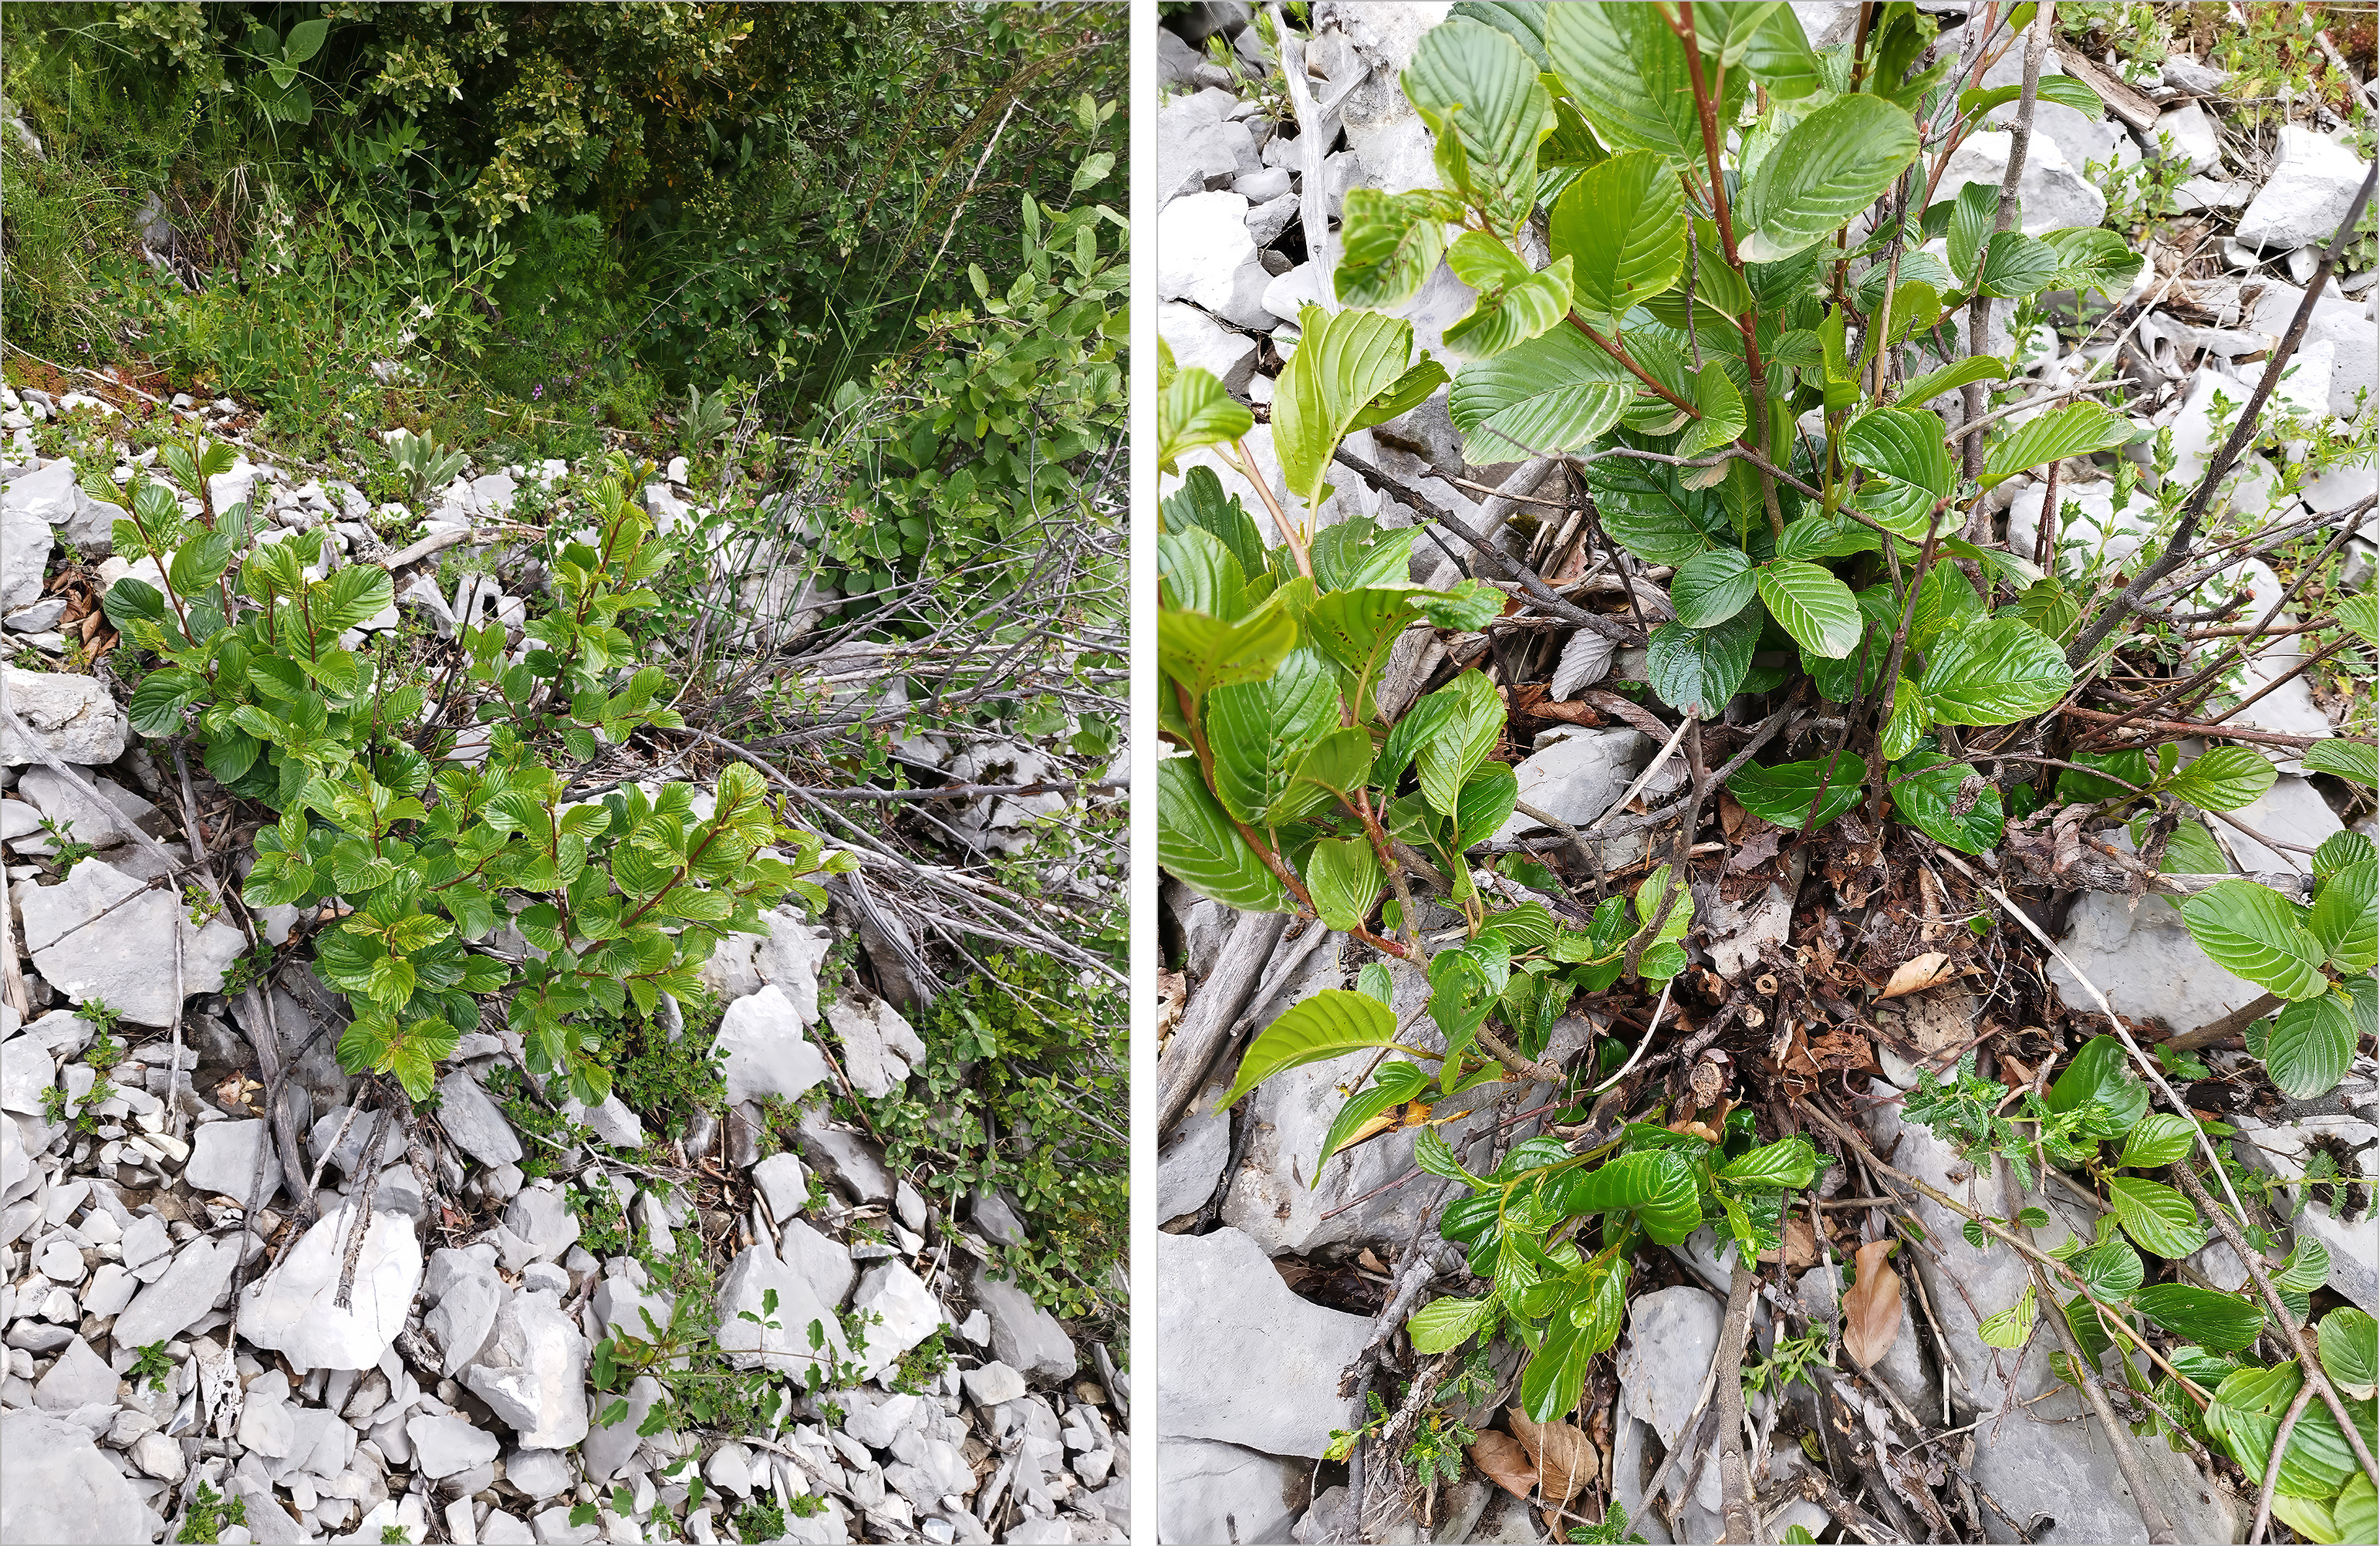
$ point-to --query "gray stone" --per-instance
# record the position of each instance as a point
(103, 820)
(880, 1047)
(1671, 1334)
(55, 1487)
(1244, 1359)
(2145, 960)
(785, 1347)
(850, 1160)
(541, 1224)
(1193, 151)
(1577, 776)
(992, 1383)
(2314, 178)
(822, 1263)
(118, 960)
(79, 1378)
(788, 957)
(620, 1308)
(1023, 1336)
(543, 1473)
(473, 1121)
(26, 1071)
(2192, 134)
(765, 1050)
(612, 1121)
(907, 1309)
(2283, 1150)
(2355, 360)
(1198, 341)
(2054, 191)
(1222, 1492)
(532, 1372)
(73, 718)
(199, 1277)
(443, 1446)
(292, 1307)
(224, 1160)
(1191, 1160)
(2052, 1459)
(995, 1216)
(46, 494)
(783, 1185)
(1202, 242)
(466, 1305)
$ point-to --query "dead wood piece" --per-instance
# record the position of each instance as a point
(1213, 1010)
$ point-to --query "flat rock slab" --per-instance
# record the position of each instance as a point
(292, 1309)
(532, 1373)
(73, 719)
(1023, 1336)
(1216, 1492)
(1671, 1336)
(2052, 1459)
(101, 934)
(201, 1275)
(473, 1121)
(784, 1346)
(224, 1160)
(1244, 1361)
(766, 1051)
(56, 1487)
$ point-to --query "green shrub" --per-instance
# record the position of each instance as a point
(619, 900)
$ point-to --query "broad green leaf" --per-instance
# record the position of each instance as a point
(1697, 670)
(1658, 1188)
(1332, 1023)
(1622, 225)
(2091, 258)
(2360, 613)
(1196, 410)
(1485, 805)
(1197, 846)
(1357, 628)
(1791, 1163)
(1994, 673)
(1583, 1325)
(1555, 393)
(1928, 789)
(348, 599)
(1972, 218)
(2016, 265)
(2222, 778)
(2341, 850)
(1627, 72)
(2011, 1327)
(1201, 505)
(1923, 389)
(1203, 653)
(2352, 1514)
(1344, 361)
(2342, 915)
(1343, 876)
(1333, 765)
(1812, 606)
(2075, 430)
(1444, 1324)
(2311, 1045)
(2102, 1071)
(2349, 1342)
(2225, 1322)
(2357, 762)
(1817, 537)
(2254, 933)
(1446, 761)
(1646, 510)
(1788, 794)
(2159, 1219)
(2308, 1267)
(1780, 57)
(1911, 468)
(1515, 304)
(1479, 92)
(1389, 244)
(2160, 1138)
(1829, 167)
(1721, 408)
(1712, 587)
(2112, 1269)
(1257, 730)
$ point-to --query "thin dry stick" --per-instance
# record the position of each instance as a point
(2281, 1436)
(367, 1188)
(1652, 1487)
(1734, 1470)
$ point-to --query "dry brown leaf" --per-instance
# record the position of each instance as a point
(1566, 1459)
(1918, 973)
(1503, 1461)
(1801, 1248)
(1872, 1308)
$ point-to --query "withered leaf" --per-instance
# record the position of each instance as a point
(1872, 1308)
(1801, 1246)
(1918, 973)
(1503, 1461)
(1566, 1459)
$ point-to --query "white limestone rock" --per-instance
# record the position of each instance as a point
(1244, 1361)
(292, 1309)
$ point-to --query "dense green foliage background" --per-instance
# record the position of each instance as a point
(591, 205)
